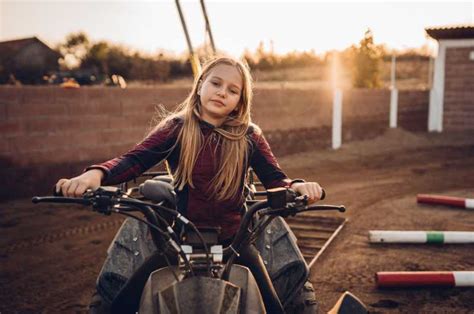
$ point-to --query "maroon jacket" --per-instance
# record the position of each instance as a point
(195, 203)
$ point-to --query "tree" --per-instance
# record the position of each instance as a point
(96, 58)
(367, 59)
(147, 68)
(74, 49)
(266, 60)
(118, 61)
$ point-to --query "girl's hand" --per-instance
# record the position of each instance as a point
(312, 189)
(76, 186)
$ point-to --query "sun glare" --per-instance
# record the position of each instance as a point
(150, 26)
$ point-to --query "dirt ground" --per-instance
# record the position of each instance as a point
(51, 255)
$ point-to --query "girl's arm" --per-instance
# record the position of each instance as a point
(268, 170)
(264, 163)
(152, 150)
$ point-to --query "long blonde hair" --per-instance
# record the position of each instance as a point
(232, 135)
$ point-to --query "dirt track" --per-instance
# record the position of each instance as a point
(50, 255)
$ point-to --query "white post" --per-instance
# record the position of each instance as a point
(336, 104)
(435, 113)
(436, 109)
(430, 73)
(337, 119)
(393, 95)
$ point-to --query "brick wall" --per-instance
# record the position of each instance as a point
(48, 132)
(364, 113)
(413, 110)
(459, 90)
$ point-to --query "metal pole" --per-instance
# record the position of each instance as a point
(208, 27)
(196, 66)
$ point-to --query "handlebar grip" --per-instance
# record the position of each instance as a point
(64, 200)
(60, 193)
(323, 194)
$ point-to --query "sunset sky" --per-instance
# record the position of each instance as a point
(236, 25)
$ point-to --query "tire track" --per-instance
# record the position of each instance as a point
(60, 235)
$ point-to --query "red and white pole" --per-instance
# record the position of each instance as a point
(425, 279)
(446, 200)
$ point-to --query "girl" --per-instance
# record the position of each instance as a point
(209, 142)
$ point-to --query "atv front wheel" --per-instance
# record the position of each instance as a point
(304, 302)
(98, 305)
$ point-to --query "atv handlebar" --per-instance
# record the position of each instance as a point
(280, 202)
(108, 200)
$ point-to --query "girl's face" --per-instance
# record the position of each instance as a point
(220, 93)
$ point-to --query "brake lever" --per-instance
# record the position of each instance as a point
(104, 198)
(289, 210)
(302, 200)
(340, 208)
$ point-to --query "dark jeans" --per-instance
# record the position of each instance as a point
(128, 299)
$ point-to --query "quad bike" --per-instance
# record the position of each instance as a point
(206, 279)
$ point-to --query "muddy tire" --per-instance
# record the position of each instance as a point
(304, 302)
(98, 305)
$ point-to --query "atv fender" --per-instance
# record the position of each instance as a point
(283, 259)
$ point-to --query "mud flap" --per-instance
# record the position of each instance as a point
(283, 259)
(349, 304)
(127, 252)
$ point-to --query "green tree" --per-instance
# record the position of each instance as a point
(266, 59)
(74, 49)
(367, 59)
(118, 61)
(147, 68)
(96, 57)
(249, 58)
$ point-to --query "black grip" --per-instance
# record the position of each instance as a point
(63, 200)
(36, 199)
(323, 194)
(60, 193)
